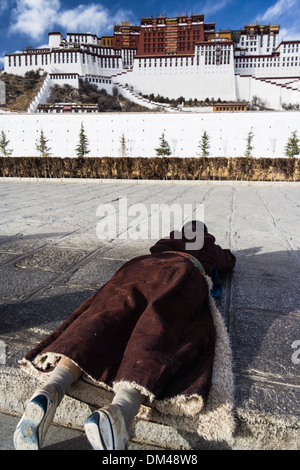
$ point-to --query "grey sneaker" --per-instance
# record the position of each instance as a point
(31, 431)
(106, 429)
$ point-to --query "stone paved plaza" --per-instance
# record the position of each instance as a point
(51, 261)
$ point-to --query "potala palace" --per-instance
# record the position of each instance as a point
(173, 57)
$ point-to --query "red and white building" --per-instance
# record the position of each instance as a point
(174, 57)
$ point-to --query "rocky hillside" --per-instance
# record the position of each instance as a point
(90, 94)
(20, 91)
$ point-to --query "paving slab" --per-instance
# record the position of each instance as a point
(17, 284)
(270, 293)
(254, 331)
(51, 260)
(43, 313)
(95, 272)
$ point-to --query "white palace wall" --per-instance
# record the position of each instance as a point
(190, 77)
(199, 82)
(228, 132)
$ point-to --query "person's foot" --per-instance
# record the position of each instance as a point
(106, 429)
(33, 426)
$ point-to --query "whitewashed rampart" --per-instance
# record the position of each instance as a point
(228, 132)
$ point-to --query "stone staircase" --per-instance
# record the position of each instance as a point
(41, 97)
(131, 94)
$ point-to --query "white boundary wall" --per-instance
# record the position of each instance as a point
(228, 132)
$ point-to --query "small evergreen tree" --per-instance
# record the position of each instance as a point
(249, 147)
(6, 152)
(292, 147)
(41, 145)
(204, 145)
(123, 148)
(164, 149)
(82, 147)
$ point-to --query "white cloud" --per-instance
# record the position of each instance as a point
(212, 6)
(286, 13)
(4, 4)
(84, 18)
(34, 18)
(281, 7)
(290, 34)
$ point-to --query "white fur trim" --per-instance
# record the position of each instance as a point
(128, 384)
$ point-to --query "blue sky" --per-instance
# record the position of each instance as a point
(27, 22)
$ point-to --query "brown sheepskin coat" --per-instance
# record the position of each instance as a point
(154, 325)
